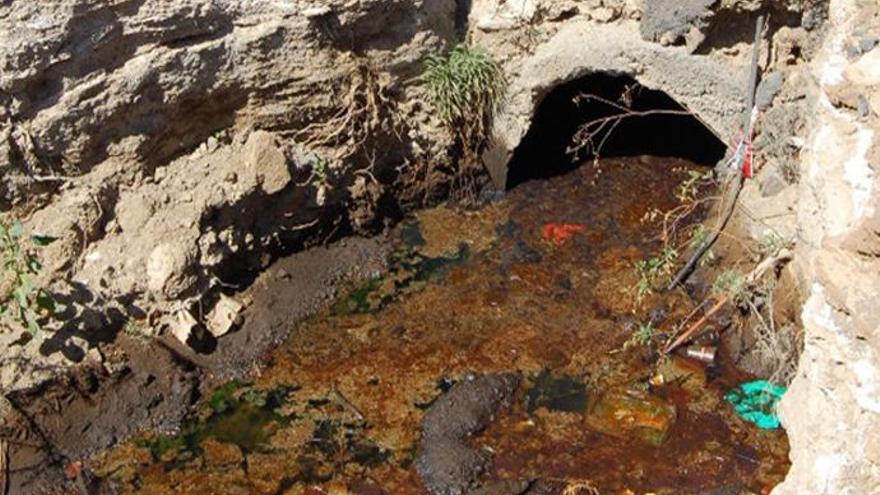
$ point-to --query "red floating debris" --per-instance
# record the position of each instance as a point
(73, 469)
(558, 233)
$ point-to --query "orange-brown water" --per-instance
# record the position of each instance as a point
(480, 291)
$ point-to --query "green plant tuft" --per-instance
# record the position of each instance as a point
(466, 87)
(641, 336)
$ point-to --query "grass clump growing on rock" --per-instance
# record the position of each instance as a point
(466, 87)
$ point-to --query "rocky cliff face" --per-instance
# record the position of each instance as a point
(832, 411)
(172, 146)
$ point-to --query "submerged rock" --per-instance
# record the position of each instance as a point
(446, 464)
(632, 413)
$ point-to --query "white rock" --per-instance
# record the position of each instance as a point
(267, 161)
(182, 325)
(865, 71)
(224, 315)
(313, 12)
(167, 270)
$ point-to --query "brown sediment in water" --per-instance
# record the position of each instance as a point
(360, 376)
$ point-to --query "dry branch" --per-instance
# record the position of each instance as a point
(696, 326)
(585, 138)
(770, 262)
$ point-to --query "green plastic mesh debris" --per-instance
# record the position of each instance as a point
(756, 401)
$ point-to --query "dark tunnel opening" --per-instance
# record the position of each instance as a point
(543, 151)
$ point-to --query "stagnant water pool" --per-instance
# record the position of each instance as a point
(339, 406)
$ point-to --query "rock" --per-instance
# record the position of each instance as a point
(771, 180)
(134, 212)
(224, 316)
(182, 324)
(874, 102)
(867, 43)
(168, 270)
(446, 464)
(320, 11)
(212, 144)
(866, 70)
(603, 14)
(770, 86)
(863, 107)
(267, 161)
(489, 16)
(836, 381)
(673, 21)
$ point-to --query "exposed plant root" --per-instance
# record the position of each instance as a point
(364, 110)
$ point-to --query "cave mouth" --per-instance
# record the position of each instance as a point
(543, 154)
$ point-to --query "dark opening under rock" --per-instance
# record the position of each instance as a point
(446, 464)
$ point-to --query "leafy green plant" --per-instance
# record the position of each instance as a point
(320, 172)
(648, 271)
(19, 294)
(772, 243)
(698, 235)
(466, 87)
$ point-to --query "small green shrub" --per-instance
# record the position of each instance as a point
(732, 284)
(320, 173)
(466, 87)
(648, 271)
(772, 243)
(641, 336)
(19, 295)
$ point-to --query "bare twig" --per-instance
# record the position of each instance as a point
(696, 326)
(348, 405)
(584, 137)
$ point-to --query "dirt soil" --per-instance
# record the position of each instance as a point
(142, 383)
(340, 406)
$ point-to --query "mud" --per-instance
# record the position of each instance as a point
(136, 383)
(446, 464)
(293, 289)
(70, 418)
